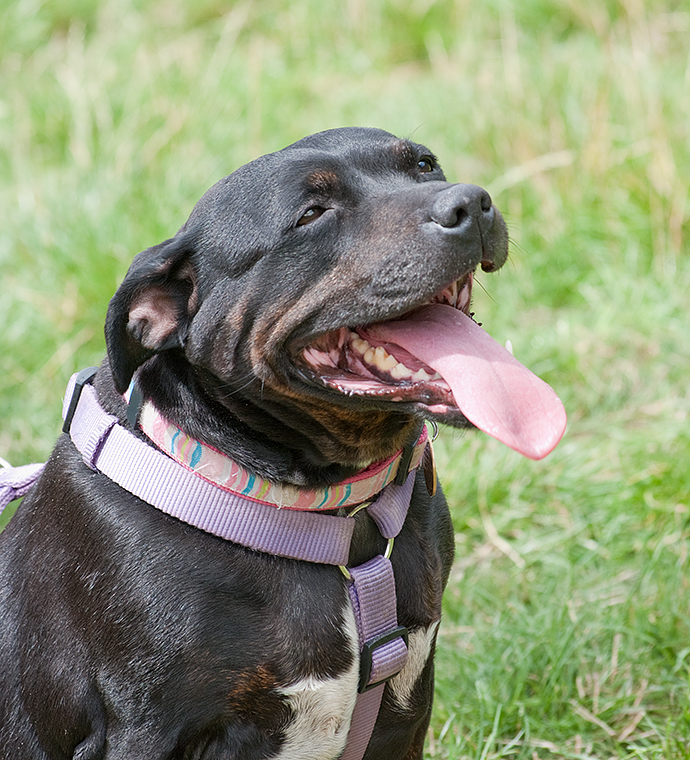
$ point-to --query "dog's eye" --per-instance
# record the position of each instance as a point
(425, 164)
(310, 215)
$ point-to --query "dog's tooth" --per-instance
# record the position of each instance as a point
(310, 355)
(316, 358)
(377, 359)
(383, 360)
(421, 375)
(509, 346)
(321, 358)
(400, 372)
(463, 298)
(360, 345)
(388, 363)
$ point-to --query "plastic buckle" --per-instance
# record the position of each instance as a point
(136, 400)
(83, 378)
(367, 656)
(406, 459)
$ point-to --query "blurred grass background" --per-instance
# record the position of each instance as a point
(567, 622)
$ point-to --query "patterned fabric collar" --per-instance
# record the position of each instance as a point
(217, 468)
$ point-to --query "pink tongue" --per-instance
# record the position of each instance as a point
(491, 388)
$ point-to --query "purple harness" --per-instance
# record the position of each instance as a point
(109, 448)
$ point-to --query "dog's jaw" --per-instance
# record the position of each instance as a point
(440, 360)
(350, 361)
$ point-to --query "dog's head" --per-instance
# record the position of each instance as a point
(317, 294)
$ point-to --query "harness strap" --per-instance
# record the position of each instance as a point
(16, 482)
(157, 479)
(154, 477)
(383, 644)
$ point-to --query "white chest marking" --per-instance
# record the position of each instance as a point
(419, 649)
(322, 709)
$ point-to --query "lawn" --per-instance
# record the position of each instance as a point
(567, 620)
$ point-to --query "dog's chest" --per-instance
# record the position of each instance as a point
(321, 708)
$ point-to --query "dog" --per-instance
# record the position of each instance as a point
(300, 324)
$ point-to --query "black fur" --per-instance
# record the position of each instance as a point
(127, 634)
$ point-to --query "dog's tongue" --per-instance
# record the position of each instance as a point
(491, 388)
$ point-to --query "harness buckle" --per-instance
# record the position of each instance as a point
(406, 459)
(83, 378)
(367, 656)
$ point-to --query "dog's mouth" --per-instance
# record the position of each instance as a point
(436, 356)
(352, 361)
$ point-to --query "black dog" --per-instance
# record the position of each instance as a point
(261, 329)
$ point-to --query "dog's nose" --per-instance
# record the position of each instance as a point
(459, 203)
(458, 208)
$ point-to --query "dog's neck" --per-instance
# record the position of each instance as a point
(221, 470)
(276, 443)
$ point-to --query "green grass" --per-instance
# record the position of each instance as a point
(567, 619)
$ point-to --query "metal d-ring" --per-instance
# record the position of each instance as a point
(357, 509)
(386, 554)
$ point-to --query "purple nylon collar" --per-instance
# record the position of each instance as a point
(157, 479)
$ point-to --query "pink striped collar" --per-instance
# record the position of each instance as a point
(221, 471)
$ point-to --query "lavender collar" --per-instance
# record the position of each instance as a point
(179, 491)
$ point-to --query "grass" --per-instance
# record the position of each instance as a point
(567, 623)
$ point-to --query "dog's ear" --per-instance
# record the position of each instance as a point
(152, 309)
